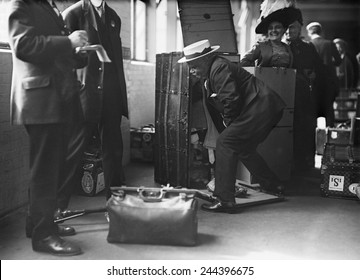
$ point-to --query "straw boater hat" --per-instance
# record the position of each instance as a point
(341, 42)
(313, 24)
(283, 11)
(197, 50)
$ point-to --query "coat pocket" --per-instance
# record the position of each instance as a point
(36, 82)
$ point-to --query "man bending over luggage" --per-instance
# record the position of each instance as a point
(249, 109)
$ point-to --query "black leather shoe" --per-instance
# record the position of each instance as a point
(62, 230)
(57, 246)
(66, 230)
(222, 207)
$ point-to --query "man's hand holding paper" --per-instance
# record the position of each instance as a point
(100, 51)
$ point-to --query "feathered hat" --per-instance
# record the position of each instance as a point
(283, 11)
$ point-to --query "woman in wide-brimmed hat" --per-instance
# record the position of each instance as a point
(274, 20)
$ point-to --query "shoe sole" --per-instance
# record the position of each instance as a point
(68, 234)
(62, 235)
(229, 211)
(58, 254)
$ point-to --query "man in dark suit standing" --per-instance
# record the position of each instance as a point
(328, 84)
(103, 94)
(308, 65)
(44, 98)
(249, 109)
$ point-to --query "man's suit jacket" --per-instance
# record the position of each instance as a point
(331, 58)
(81, 15)
(42, 64)
(327, 51)
(235, 89)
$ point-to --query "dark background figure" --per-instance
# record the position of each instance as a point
(356, 67)
(45, 99)
(103, 95)
(346, 70)
(327, 83)
(250, 110)
(357, 57)
(308, 65)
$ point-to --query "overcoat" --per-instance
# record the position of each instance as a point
(327, 51)
(43, 81)
(81, 16)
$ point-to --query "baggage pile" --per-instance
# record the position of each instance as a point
(340, 166)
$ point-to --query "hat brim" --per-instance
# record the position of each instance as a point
(184, 59)
(286, 16)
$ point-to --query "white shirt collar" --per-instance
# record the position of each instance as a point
(314, 36)
(100, 8)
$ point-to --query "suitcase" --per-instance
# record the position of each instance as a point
(277, 148)
(356, 131)
(339, 136)
(92, 179)
(346, 105)
(142, 143)
(320, 140)
(163, 216)
(340, 170)
(172, 134)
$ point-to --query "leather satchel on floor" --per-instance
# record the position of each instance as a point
(152, 216)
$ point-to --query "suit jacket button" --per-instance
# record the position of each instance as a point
(100, 69)
(63, 32)
(99, 87)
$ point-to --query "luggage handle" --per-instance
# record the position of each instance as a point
(151, 198)
(184, 193)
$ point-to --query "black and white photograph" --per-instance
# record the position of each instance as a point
(217, 135)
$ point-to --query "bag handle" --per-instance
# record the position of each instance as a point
(165, 189)
(152, 196)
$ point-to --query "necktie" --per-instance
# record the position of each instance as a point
(100, 11)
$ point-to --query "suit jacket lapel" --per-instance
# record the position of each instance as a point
(89, 14)
(108, 21)
(58, 19)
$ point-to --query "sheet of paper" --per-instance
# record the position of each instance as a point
(100, 51)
